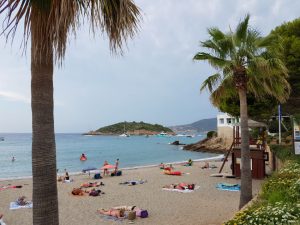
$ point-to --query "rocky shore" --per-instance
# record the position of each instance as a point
(213, 145)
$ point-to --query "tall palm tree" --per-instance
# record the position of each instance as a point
(48, 23)
(245, 64)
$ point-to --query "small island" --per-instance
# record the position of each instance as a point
(132, 128)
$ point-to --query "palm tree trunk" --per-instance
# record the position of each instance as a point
(246, 178)
(45, 202)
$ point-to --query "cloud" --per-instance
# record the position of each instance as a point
(13, 96)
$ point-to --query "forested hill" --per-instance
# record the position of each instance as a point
(135, 128)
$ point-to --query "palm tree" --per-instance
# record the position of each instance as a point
(49, 23)
(245, 64)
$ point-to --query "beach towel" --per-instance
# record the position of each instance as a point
(181, 191)
(68, 181)
(10, 187)
(14, 205)
(111, 218)
(228, 187)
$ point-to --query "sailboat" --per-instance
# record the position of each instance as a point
(124, 134)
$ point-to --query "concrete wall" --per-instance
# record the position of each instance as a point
(226, 133)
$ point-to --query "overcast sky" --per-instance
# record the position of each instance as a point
(155, 81)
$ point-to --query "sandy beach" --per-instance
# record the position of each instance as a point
(207, 205)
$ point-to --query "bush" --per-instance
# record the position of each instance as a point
(279, 201)
(211, 134)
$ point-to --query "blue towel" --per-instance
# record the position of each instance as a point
(225, 187)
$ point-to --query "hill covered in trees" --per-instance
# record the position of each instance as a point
(132, 128)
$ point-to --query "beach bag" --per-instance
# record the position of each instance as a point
(119, 173)
(142, 213)
(112, 174)
(131, 215)
(95, 193)
(97, 176)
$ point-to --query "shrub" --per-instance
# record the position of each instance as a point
(211, 134)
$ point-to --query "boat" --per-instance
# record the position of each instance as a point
(124, 134)
(1, 138)
(162, 134)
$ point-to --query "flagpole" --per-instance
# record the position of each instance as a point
(279, 124)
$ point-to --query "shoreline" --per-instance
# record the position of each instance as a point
(215, 158)
(210, 205)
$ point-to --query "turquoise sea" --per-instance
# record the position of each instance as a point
(132, 151)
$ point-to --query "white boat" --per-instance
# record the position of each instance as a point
(124, 134)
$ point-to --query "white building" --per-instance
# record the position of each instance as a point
(225, 125)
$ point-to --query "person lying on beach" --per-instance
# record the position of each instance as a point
(78, 191)
(91, 184)
(1, 220)
(180, 186)
(118, 213)
(134, 182)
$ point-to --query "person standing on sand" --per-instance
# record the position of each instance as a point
(117, 166)
(105, 171)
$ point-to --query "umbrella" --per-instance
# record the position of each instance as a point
(108, 167)
(89, 168)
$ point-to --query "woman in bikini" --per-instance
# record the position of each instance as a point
(118, 213)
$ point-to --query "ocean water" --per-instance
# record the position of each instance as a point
(132, 151)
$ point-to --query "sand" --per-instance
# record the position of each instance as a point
(206, 206)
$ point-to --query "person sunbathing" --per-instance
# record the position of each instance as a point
(118, 213)
(91, 184)
(180, 186)
(78, 191)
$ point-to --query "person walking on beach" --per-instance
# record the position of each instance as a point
(116, 166)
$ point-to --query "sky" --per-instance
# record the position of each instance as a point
(155, 80)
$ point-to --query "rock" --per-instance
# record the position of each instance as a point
(176, 143)
(213, 145)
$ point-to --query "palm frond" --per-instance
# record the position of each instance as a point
(118, 18)
(211, 82)
(54, 20)
(242, 29)
(216, 62)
